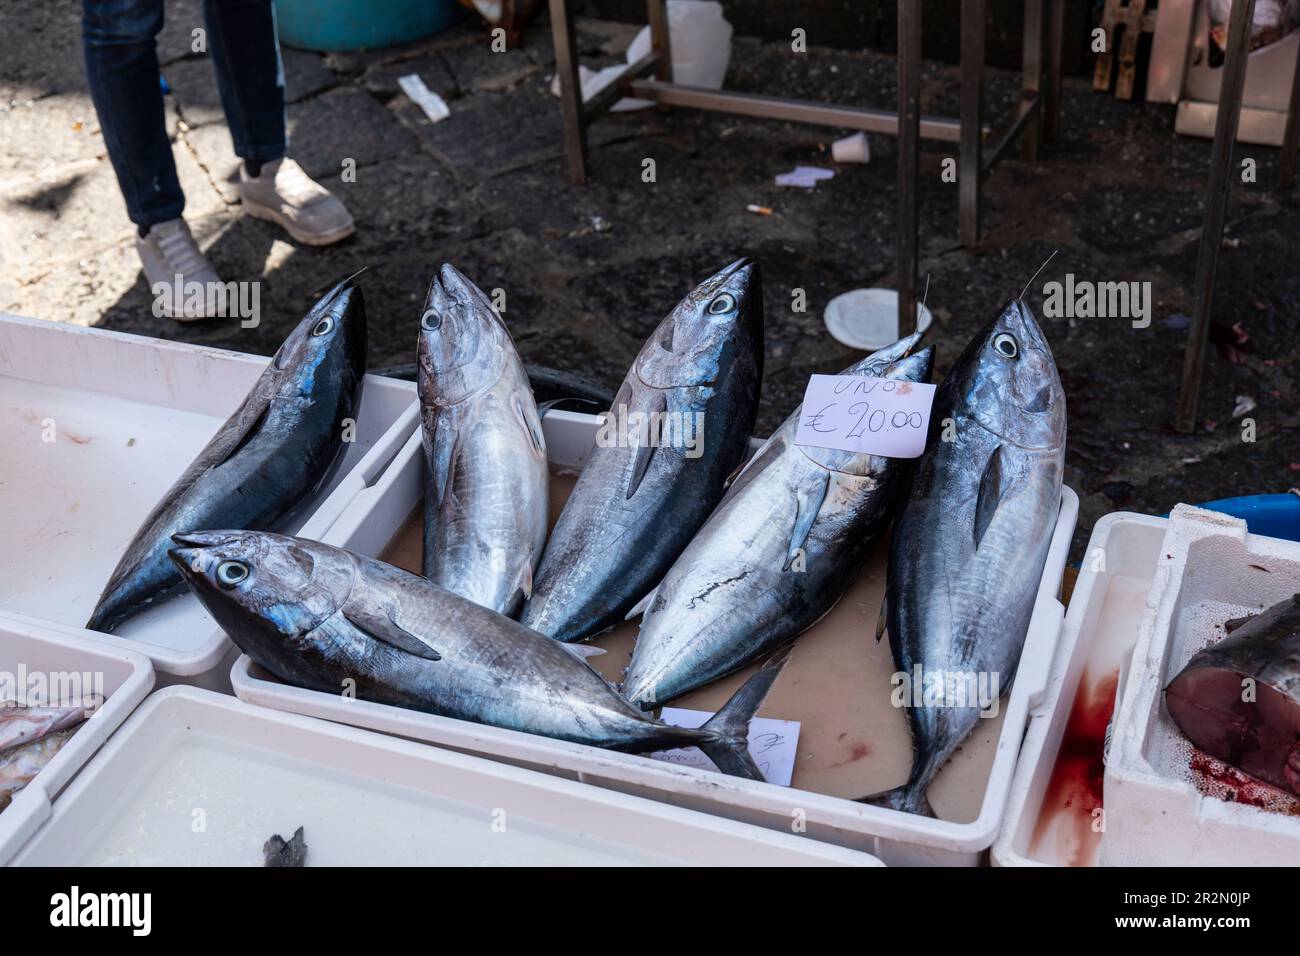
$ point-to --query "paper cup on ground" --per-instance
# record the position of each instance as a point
(851, 149)
(867, 319)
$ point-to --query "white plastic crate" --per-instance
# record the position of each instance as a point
(1050, 816)
(1160, 807)
(63, 660)
(815, 688)
(188, 755)
(128, 415)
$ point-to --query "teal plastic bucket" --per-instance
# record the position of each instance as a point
(362, 24)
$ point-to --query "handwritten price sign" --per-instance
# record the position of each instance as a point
(875, 416)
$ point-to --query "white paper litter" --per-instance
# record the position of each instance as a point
(772, 743)
(805, 177)
(433, 105)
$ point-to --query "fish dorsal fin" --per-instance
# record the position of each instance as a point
(990, 494)
(882, 619)
(380, 624)
(809, 497)
(646, 449)
(252, 431)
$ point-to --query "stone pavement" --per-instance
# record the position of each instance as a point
(589, 271)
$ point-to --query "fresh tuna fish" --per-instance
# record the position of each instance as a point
(20, 765)
(272, 455)
(1239, 700)
(22, 725)
(790, 536)
(678, 428)
(971, 542)
(325, 619)
(485, 501)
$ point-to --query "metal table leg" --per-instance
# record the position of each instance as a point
(909, 157)
(1291, 138)
(1051, 102)
(657, 11)
(1207, 256)
(970, 164)
(1031, 77)
(566, 65)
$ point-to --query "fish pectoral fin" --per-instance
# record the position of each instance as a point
(583, 651)
(640, 606)
(809, 498)
(882, 619)
(525, 582)
(381, 626)
(253, 429)
(440, 457)
(657, 405)
(990, 494)
(527, 413)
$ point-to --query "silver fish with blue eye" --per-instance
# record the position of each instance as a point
(970, 545)
(646, 489)
(329, 620)
(278, 449)
(485, 503)
(791, 535)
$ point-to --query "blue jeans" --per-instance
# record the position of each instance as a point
(122, 70)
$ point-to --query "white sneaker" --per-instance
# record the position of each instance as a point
(172, 264)
(284, 194)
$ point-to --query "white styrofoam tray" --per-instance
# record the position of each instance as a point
(129, 414)
(200, 778)
(44, 666)
(1051, 817)
(1159, 805)
(894, 837)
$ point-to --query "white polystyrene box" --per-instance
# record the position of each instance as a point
(29, 649)
(127, 415)
(1044, 824)
(362, 799)
(1209, 569)
(895, 837)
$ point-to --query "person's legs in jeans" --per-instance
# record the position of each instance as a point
(122, 71)
(250, 78)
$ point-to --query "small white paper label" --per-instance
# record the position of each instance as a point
(772, 743)
(875, 416)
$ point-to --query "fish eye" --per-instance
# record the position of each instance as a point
(723, 303)
(323, 327)
(230, 573)
(1006, 345)
(431, 321)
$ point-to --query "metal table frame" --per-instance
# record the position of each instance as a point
(979, 149)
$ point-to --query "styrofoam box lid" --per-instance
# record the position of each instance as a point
(908, 838)
(1209, 569)
(200, 778)
(127, 415)
(41, 662)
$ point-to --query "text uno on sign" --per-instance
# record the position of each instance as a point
(875, 416)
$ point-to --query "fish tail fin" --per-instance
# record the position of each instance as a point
(909, 798)
(725, 737)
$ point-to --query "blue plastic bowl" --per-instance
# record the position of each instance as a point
(1276, 516)
(333, 25)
